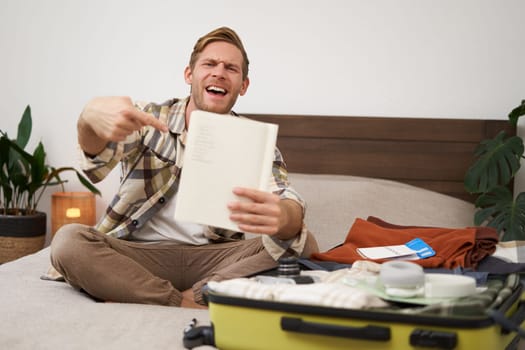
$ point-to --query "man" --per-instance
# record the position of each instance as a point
(138, 253)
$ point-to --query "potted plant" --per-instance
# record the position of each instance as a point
(497, 162)
(23, 179)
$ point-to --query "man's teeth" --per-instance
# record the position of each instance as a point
(216, 89)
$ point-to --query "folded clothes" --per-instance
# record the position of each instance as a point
(330, 292)
(354, 288)
(454, 247)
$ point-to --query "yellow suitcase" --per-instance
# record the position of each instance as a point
(244, 324)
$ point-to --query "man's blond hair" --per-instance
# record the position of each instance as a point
(220, 34)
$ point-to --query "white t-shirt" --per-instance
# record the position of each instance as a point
(163, 227)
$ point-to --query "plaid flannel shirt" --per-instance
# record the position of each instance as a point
(151, 162)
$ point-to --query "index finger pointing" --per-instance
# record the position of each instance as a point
(157, 124)
(148, 119)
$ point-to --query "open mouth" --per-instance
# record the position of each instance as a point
(215, 90)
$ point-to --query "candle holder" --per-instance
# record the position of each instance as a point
(72, 207)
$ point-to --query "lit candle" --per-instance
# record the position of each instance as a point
(73, 212)
(72, 207)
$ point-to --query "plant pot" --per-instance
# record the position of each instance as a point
(21, 235)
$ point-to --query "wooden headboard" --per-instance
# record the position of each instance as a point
(428, 153)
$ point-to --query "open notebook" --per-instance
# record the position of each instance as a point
(222, 152)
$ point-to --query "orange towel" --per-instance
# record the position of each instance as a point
(454, 247)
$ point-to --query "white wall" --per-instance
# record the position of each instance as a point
(416, 58)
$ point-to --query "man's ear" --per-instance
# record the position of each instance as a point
(187, 75)
(244, 86)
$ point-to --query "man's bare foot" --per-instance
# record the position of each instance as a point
(189, 301)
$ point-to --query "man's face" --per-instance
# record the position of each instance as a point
(216, 80)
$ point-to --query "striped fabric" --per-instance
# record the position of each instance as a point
(151, 162)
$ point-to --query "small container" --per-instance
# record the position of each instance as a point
(288, 267)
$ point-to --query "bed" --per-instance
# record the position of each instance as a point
(429, 153)
(405, 170)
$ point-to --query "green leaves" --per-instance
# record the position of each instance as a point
(516, 113)
(25, 127)
(5, 188)
(87, 184)
(500, 210)
(497, 163)
(25, 176)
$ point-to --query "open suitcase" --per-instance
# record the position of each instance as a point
(241, 323)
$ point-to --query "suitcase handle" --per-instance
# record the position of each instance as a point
(294, 324)
(511, 324)
(519, 316)
(196, 336)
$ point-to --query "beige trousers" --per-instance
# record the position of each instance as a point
(117, 270)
